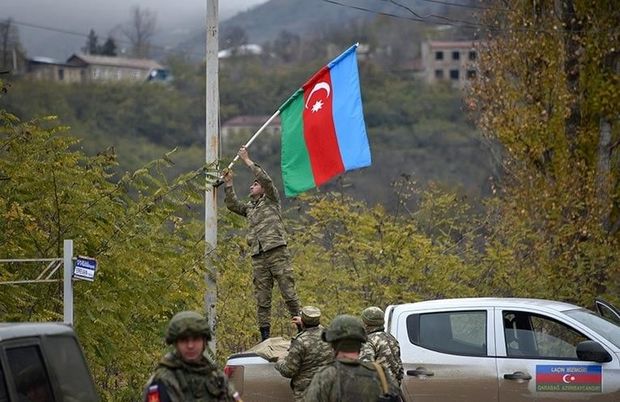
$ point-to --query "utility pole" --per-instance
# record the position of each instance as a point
(211, 155)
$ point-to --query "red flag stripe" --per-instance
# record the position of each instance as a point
(559, 378)
(319, 129)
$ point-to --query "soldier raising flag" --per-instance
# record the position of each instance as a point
(271, 260)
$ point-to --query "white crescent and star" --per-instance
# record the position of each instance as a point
(318, 105)
(568, 378)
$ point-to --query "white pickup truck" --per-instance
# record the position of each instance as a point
(479, 349)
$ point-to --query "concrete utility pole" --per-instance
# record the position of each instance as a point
(211, 155)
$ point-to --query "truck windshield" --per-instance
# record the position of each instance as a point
(604, 327)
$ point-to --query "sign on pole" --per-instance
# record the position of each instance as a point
(85, 268)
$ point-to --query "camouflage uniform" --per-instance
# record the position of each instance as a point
(307, 354)
(176, 380)
(381, 347)
(184, 382)
(349, 380)
(267, 240)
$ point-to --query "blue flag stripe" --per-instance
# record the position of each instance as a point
(347, 110)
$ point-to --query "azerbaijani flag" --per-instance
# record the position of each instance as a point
(323, 129)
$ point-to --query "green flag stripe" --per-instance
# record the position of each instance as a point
(296, 168)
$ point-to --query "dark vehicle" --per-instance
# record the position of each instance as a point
(43, 362)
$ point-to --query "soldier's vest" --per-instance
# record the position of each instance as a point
(265, 227)
(357, 382)
(199, 387)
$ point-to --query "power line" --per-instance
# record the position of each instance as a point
(406, 8)
(432, 15)
(68, 32)
(461, 23)
(470, 6)
(416, 18)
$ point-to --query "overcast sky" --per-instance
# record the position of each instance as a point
(104, 15)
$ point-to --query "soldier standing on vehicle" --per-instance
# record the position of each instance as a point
(186, 374)
(307, 354)
(381, 347)
(267, 240)
(348, 379)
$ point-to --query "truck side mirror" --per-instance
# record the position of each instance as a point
(593, 352)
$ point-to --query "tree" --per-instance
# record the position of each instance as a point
(92, 43)
(108, 48)
(287, 46)
(234, 37)
(545, 89)
(139, 226)
(140, 30)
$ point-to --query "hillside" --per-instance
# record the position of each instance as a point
(318, 19)
(416, 131)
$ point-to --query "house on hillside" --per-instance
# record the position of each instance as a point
(249, 49)
(454, 61)
(88, 68)
(107, 68)
(238, 130)
(46, 69)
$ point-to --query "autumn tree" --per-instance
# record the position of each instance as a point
(549, 92)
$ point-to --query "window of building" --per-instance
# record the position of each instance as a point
(472, 55)
(61, 74)
(454, 74)
(454, 332)
(456, 55)
(439, 74)
(96, 73)
(439, 55)
(471, 74)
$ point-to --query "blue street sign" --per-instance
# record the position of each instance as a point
(84, 268)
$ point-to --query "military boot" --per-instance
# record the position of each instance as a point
(264, 333)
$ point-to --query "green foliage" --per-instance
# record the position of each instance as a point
(348, 256)
(139, 227)
(544, 94)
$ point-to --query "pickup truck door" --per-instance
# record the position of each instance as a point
(537, 360)
(448, 354)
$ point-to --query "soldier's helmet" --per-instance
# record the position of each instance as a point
(187, 323)
(345, 327)
(311, 315)
(373, 317)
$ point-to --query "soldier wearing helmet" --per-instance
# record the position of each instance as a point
(348, 379)
(381, 347)
(187, 374)
(307, 353)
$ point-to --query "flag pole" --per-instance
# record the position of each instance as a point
(256, 134)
